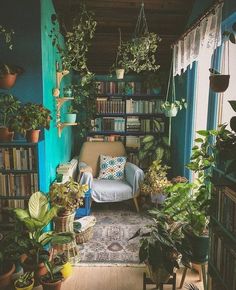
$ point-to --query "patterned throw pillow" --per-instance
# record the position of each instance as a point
(112, 167)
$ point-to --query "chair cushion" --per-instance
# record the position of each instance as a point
(104, 190)
(112, 167)
(91, 151)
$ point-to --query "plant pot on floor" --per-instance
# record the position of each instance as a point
(219, 83)
(7, 81)
(5, 278)
(51, 285)
(70, 118)
(6, 135)
(197, 244)
(120, 73)
(159, 275)
(29, 287)
(32, 136)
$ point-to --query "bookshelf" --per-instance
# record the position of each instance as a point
(125, 111)
(222, 252)
(19, 175)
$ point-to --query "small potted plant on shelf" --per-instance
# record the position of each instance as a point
(155, 182)
(68, 196)
(34, 220)
(9, 105)
(160, 242)
(25, 281)
(70, 115)
(170, 109)
(62, 260)
(31, 118)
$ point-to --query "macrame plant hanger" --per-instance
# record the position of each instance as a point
(141, 26)
(172, 98)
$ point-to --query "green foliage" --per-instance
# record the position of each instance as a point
(167, 106)
(154, 147)
(68, 196)
(138, 54)
(10, 69)
(24, 280)
(160, 242)
(34, 220)
(7, 34)
(9, 105)
(31, 116)
(77, 41)
(54, 272)
(155, 180)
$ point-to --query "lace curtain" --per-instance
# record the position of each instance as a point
(207, 35)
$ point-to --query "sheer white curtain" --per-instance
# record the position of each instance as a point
(206, 36)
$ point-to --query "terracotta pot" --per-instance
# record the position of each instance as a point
(159, 275)
(7, 80)
(39, 270)
(120, 73)
(5, 279)
(219, 83)
(6, 135)
(32, 136)
(51, 285)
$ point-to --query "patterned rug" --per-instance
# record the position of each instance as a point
(116, 223)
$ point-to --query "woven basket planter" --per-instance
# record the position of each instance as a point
(84, 236)
(64, 223)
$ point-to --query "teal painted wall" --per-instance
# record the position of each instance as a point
(57, 150)
(33, 50)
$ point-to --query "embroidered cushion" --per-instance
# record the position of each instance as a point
(112, 167)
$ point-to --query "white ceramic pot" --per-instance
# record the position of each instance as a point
(171, 113)
(120, 73)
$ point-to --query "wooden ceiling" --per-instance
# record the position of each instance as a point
(167, 18)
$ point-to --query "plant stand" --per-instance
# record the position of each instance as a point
(148, 281)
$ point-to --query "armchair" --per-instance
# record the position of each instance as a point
(104, 190)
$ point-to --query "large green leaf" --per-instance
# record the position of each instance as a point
(50, 215)
(21, 214)
(62, 238)
(37, 205)
(33, 224)
(159, 152)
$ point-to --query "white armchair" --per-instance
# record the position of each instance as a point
(103, 190)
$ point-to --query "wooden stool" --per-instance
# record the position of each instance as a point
(148, 281)
(203, 270)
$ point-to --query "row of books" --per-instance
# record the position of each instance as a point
(103, 105)
(223, 257)
(116, 124)
(111, 87)
(226, 208)
(17, 158)
(144, 125)
(102, 138)
(143, 106)
(18, 184)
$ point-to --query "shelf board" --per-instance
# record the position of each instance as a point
(226, 232)
(129, 114)
(17, 171)
(61, 126)
(217, 274)
(61, 101)
(17, 144)
(3, 197)
(123, 133)
(131, 96)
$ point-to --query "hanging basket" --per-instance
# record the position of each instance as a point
(120, 73)
(171, 113)
(219, 83)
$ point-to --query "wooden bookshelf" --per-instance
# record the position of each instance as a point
(19, 174)
(222, 252)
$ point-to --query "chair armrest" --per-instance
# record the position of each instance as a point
(134, 176)
(85, 174)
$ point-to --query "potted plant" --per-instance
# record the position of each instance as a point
(34, 220)
(154, 147)
(25, 281)
(170, 109)
(9, 105)
(155, 182)
(68, 196)
(218, 82)
(62, 260)
(160, 242)
(8, 75)
(52, 280)
(70, 116)
(31, 118)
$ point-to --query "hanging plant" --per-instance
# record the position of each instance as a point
(77, 41)
(138, 54)
(7, 35)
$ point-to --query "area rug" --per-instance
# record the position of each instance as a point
(116, 223)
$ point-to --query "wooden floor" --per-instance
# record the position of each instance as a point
(116, 278)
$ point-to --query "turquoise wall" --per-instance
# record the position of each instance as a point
(33, 50)
(57, 150)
